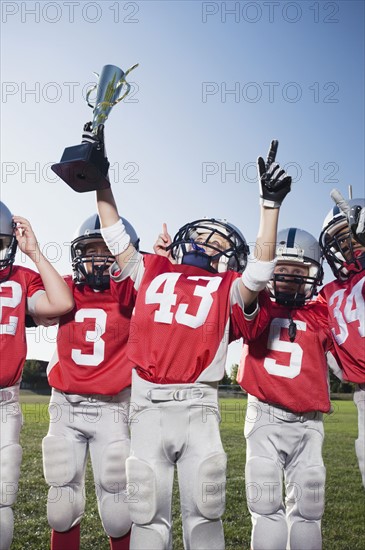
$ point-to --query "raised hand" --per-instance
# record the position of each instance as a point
(89, 136)
(274, 182)
(355, 216)
(27, 241)
(161, 246)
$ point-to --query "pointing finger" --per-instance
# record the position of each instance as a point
(272, 152)
(340, 201)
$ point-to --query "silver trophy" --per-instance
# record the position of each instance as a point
(84, 167)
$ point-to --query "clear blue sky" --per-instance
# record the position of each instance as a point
(216, 82)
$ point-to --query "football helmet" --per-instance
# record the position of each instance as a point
(297, 246)
(8, 242)
(92, 269)
(337, 243)
(187, 249)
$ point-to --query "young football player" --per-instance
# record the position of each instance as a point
(90, 377)
(284, 372)
(23, 291)
(185, 313)
(343, 244)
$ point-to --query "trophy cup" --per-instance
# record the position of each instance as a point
(84, 167)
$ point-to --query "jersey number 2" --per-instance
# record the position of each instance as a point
(10, 301)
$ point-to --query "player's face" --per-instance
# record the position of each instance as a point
(347, 242)
(4, 245)
(97, 250)
(219, 243)
(290, 285)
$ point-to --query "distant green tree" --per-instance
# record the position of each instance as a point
(336, 386)
(34, 374)
(233, 373)
(226, 380)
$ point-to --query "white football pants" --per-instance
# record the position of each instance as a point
(175, 425)
(284, 445)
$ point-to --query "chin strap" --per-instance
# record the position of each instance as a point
(292, 328)
(358, 264)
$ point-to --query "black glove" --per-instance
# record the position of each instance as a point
(89, 136)
(355, 216)
(274, 182)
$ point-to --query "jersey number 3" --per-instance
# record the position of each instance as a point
(94, 336)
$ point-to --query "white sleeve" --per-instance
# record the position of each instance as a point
(134, 270)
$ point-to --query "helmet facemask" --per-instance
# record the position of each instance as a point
(344, 253)
(339, 248)
(212, 245)
(8, 243)
(297, 248)
(91, 269)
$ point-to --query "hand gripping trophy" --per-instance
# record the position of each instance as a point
(84, 167)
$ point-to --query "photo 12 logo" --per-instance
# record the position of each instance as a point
(70, 12)
(270, 12)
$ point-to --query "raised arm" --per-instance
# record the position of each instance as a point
(112, 228)
(355, 216)
(57, 299)
(274, 185)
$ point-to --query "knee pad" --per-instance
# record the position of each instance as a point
(305, 534)
(10, 460)
(270, 532)
(113, 502)
(206, 534)
(113, 466)
(142, 498)
(210, 490)
(307, 494)
(66, 502)
(6, 527)
(153, 537)
(59, 460)
(263, 486)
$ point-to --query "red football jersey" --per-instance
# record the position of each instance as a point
(15, 302)
(183, 321)
(346, 307)
(290, 374)
(91, 344)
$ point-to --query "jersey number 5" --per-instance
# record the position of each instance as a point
(274, 343)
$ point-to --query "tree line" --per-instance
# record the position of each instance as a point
(35, 378)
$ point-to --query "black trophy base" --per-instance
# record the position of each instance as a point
(83, 167)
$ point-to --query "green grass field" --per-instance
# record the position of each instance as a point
(344, 518)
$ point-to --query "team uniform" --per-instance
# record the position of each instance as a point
(90, 376)
(342, 242)
(183, 321)
(288, 391)
(284, 371)
(346, 308)
(18, 296)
